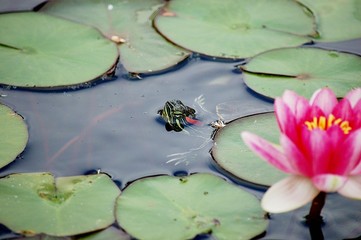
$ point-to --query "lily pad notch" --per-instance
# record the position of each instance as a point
(33, 55)
(35, 203)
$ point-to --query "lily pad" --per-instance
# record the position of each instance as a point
(235, 28)
(337, 20)
(34, 203)
(232, 155)
(166, 207)
(303, 70)
(128, 23)
(14, 135)
(33, 54)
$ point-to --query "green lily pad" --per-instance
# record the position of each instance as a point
(14, 135)
(337, 20)
(235, 28)
(166, 207)
(142, 49)
(232, 155)
(33, 54)
(303, 70)
(33, 203)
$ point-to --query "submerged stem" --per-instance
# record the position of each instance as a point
(314, 218)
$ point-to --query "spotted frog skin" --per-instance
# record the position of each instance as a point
(175, 113)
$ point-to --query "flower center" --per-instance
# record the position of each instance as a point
(324, 123)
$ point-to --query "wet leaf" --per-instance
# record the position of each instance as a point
(33, 54)
(303, 70)
(14, 135)
(232, 155)
(234, 28)
(33, 203)
(142, 49)
(166, 207)
(337, 20)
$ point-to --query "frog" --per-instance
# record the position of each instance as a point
(177, 115)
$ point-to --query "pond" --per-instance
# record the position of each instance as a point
(112, 126)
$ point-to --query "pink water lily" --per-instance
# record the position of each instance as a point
(320, 148)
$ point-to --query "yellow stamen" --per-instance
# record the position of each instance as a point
(324, 123)
(345, 127)
(330, 120)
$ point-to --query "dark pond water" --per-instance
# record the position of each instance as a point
(113, 126)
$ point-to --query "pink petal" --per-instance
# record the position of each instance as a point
(268, 151)
(297, 104)
(354, 96)
(317, 147)
(329, 182)
(353, 144)
(356, 120)
(343, 110)
(289, 194)
(352, 188)
(315, 111)
(339, 152)
(350, 153)
(285, 118)
(325, 99)
(357, 106)
(296, 157)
